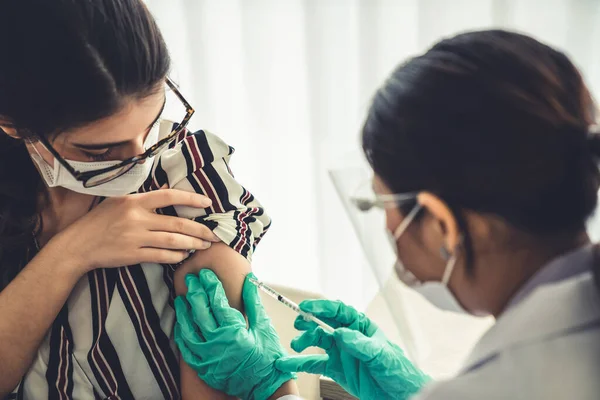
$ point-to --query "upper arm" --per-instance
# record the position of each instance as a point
(200, 163)
(227, 264)
(231, 268)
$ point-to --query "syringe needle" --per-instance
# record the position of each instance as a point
(290, 304)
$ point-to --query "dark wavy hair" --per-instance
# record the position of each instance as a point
(63, 64)
(490, 121)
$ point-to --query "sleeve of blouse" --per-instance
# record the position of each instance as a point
(199, 162)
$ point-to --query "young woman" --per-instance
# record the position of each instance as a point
(89, 271)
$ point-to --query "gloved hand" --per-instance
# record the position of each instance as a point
(359, 356)
(214, 341)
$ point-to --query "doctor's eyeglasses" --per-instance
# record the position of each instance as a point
(179, 110)
(365, 198)
(382, 201)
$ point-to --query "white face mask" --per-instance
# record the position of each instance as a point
(127, 183)
(436, 292)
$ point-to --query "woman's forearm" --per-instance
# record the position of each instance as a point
(28, 306)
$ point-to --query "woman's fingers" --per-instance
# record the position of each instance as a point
(172, 197)
(160, 256)
(173, 241)
(184, 226)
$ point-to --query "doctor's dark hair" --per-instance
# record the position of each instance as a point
(63, 64)
(494, 122)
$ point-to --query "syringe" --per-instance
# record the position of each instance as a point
(290, 304)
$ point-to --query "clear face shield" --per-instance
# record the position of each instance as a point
(367, 215)
(436, 340)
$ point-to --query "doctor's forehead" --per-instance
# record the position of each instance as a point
(132, 119)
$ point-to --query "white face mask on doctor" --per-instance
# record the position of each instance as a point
(129, 182)
(436, 292)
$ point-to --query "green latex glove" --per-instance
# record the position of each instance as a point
(215, 342)
(359, 356)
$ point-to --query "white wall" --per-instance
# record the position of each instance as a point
(288, 82)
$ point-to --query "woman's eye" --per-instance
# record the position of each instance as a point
(99, 156)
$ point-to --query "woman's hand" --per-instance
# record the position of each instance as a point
(126, 230)
(215, 342)
(359, 356)
(120, 231)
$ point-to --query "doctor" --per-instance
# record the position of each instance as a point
(486, 165)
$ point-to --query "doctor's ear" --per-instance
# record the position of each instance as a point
(441, 212)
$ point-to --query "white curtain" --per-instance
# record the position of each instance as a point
(288, 83)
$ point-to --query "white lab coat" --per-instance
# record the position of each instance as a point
(546, 346)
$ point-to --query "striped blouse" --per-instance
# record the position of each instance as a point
(113, 339)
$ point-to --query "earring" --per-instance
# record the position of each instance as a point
(444, 253)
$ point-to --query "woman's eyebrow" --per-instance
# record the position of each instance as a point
(100, 146)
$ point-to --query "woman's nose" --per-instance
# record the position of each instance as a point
(138, 147)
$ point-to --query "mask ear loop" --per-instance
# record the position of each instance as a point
(406, 221)
(37, 152)
(451, 261)
(44, 167)
(448, 270)
(32, 145)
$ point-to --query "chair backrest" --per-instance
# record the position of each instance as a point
(283, 321)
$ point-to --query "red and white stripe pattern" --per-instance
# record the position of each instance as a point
(147, 333)
(63, 366)
(60, 375)
(97, 361)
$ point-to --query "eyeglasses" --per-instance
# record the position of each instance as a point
(365, 198)
(382, 201)
(100, 176)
